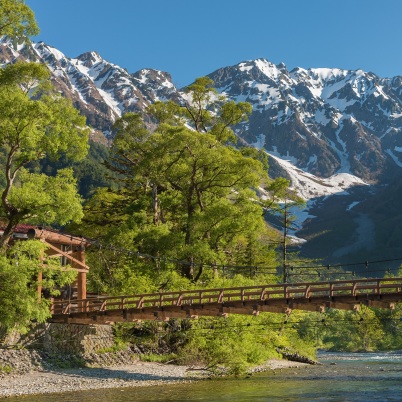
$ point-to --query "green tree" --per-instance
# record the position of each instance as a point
(352, 331)
(186, 192)
(280, 207)
(204, 111)
(19, 285)
(35, 123)
(17, 20)
(91, 173)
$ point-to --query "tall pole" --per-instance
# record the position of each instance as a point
(40, 277)
(285, 233)
(82, 277)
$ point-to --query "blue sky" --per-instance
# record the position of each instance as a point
(191, 38)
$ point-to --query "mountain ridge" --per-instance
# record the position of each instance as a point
(327, 121)
(335, 132)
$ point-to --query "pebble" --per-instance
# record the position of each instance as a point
(32, 374)
(55, 381)
(28, 378)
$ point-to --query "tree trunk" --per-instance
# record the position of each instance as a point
(155, 204)
(7, 234)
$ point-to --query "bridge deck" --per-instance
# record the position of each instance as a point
(315, 296)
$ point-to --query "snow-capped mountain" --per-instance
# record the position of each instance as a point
(337, 134)
(102, 91)
(325, 121)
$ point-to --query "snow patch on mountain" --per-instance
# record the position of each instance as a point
(394, 157)
(352, 205)
(309, 186)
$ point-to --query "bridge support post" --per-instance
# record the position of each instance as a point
(82, 278)
(40, 278)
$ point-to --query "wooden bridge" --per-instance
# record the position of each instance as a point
(277, 298)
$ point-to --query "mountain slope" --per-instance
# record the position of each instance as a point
(102, 91)
(326, 121)
(337, 134)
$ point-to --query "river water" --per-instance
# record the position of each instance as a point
(341, 377)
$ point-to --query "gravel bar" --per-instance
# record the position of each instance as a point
(135, 374)
(51, 381)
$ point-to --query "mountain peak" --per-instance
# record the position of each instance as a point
(89, 59)
(326, 120)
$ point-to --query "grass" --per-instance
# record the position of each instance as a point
(152, 357)
(117, 347)
(5, 369)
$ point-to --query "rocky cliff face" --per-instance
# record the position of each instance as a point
(326, 121)
(102, 91)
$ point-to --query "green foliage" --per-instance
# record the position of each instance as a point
(184, 194)
(5, 369)
(90, 173)
(19, 271)
(204, 111)
(37, 123)
(118, 346)
(17, 20)
(190, 197)
(365, 330)
(37, 127)
(236, 343)
(47, 199)
(158, 358)
(66, 362)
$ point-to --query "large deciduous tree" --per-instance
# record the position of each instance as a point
(19, 302)
(17, 20)
(188, 193)
(36, 122)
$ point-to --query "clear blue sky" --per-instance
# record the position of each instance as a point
(191, 38)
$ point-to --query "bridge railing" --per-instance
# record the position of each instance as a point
(218, 295)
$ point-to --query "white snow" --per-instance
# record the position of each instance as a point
(352, 205)
(342, 154)
(268, 68)
(389, 130)
(260, 142)
(327, 74)
(245, 67)
(59, 55)
(320, 117)
(312, 160)
(310, 186)
(76, 89)
(394, 157)
(286, 158)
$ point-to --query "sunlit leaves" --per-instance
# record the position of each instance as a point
(47, 199)
(17, 20)
(19, 269)
(35, 123)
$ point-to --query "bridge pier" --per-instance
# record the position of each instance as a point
(76, 339)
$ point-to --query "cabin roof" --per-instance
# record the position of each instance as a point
(27, 231)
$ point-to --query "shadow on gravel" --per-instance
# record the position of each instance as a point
(109, 374)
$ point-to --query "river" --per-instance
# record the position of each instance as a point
(341, 377)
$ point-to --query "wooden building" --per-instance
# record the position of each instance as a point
(68, 248)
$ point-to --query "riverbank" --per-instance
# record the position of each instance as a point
(41, 380)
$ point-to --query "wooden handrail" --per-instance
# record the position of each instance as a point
(294, 291)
